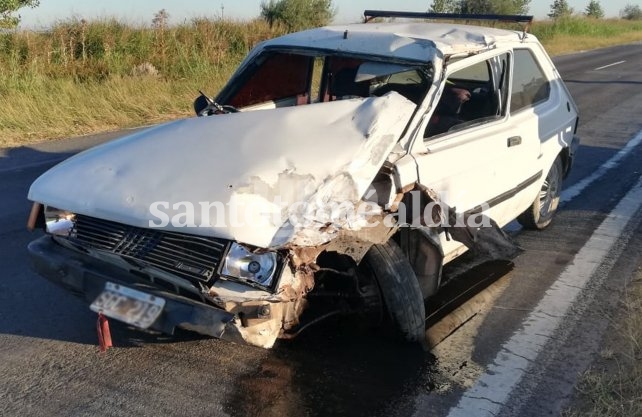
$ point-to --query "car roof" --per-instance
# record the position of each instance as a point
(414, 41)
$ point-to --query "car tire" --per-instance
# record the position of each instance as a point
(540, 214)
(400, 290)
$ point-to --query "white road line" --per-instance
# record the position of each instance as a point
(577, 188)
(610, 65)
(493, 389)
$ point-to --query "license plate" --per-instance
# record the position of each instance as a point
(128, 305)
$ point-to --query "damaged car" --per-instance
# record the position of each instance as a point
(336, 173)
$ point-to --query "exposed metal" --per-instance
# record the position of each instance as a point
(272, 164)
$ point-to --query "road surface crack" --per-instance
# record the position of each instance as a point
(485, 399)
(548, 314)
(518, 355)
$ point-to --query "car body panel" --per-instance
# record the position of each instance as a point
(416, 41)
(245, 161)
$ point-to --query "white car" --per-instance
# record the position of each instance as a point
(337, 172)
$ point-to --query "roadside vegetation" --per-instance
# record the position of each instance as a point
(87, 76)
(82, 76)
(576, 33)
(613, 386)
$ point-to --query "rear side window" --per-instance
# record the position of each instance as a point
(530, 86)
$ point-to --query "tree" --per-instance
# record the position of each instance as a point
(480, 6)
(594, 10)
(8, 8)
(444, 6)
(631, 12)
(510, 6)
(560, 8)
(476, 7)
(297, 14)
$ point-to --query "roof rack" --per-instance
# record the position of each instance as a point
(373, 14)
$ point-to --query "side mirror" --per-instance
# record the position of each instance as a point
(200, 104)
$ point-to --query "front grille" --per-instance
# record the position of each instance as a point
(187, 256)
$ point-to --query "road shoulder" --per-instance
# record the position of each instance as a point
(612, 384)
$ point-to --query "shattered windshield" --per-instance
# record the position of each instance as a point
(281, 79)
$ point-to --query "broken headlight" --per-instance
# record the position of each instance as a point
(257, 268)
(59, 222)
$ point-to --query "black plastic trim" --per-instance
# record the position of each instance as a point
(505, 195)
(373, 14)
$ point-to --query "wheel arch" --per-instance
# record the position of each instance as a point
(567, 161)
(425, 255)
(567, 155)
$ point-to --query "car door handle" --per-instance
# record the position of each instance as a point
(514, 141)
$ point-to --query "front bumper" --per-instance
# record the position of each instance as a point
(86, 277)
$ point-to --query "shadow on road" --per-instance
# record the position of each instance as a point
(334, 370)
(25, 157)
(341, 369)
(50, 152)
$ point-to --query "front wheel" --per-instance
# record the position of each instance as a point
(399, 289)
(540, 214)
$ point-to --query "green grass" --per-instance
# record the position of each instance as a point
(575, 26)
(47, 108)
(576, 34)
(83, 77)
(80, 77)
(93, 51)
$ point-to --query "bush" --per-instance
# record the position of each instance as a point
(631, 12)
(594, 10)
(298, 14)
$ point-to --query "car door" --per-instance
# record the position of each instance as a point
(542, 114)
(480, 160)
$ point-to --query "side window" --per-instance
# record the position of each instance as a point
(530, 85)
(472, 95)
(477, 72)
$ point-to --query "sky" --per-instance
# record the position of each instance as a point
(142, 11)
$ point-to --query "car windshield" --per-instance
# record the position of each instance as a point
(280, 79)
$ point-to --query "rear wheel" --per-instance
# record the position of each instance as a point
(540, 214)
(399, 289)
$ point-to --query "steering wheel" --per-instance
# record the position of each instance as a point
(215, 108)
(207, 106)
(220, 109)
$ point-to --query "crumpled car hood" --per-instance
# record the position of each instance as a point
(260, 162)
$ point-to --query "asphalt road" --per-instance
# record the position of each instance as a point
(50, 364)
